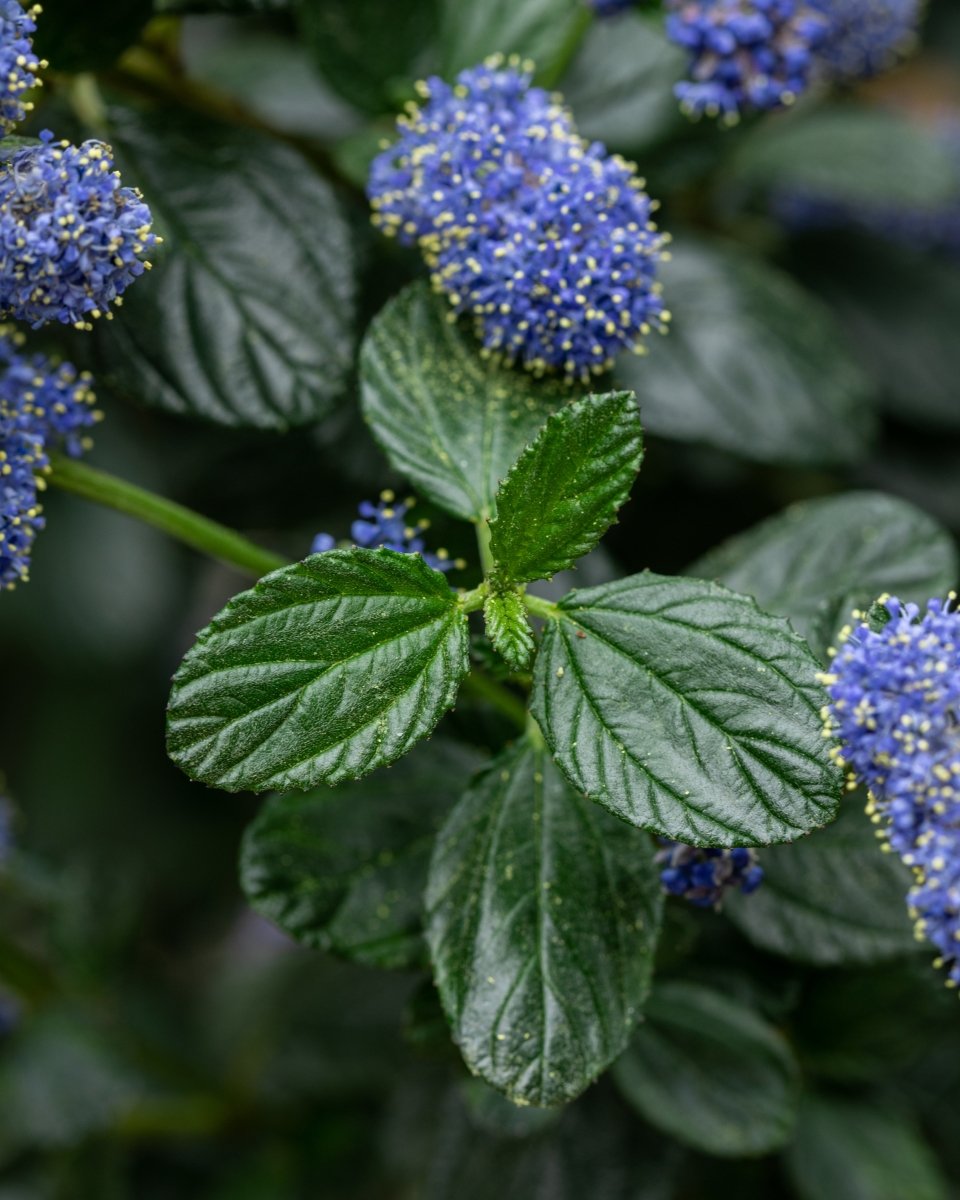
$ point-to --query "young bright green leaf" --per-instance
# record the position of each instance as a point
(344, 869)
(509, 629)
(449, 420)
(684, 709)
(816, 562)
(834, 898)
(247, 316)
(564, 490)
(540, 30)
(753, 364)
(708, 1071)
(543, 917)
(322, 672)
(861, 1151)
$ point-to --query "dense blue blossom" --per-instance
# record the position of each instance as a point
(42, 406)
(71, 237)
(866, 36)
(546, 240)
(748, 55)
(745, 54)
(385, 524)
(895, 708)
(18, 63)
(705, 876)
(921, 227)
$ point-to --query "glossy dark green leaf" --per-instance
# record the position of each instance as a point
(246, 318)
(344, 869)
(544, 31)
(449, 420)
(816, 562)
(620, 85)
(752, 364)
(322, 672)
(848, 153)
(564, 490)
(831, 898)
(366, 50)
(705, 1069)
(509, 629)
(684, 709)
(88, 36)
(917, 295)
(543, 917)
(861, 1151)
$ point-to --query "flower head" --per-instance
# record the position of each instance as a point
(866, 36)
(895, 708)
(71, 236)
(706, 876)
(745, 54)
(42, 406)
(546, 240)
(385, 524)
(18, 63)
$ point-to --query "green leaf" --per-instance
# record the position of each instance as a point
(708, 1071)
(322, 672)
(834, 898)
(344, 869)
(817, 561)
(508, 628)
(620, 85)
(246, 319)
(449, 420)
(367, 50)
(752, 364)
(850, 154)
(917, 295)
(545, 31)
(684, 709)
(543, 914)
(564, 490)
(861, 1152)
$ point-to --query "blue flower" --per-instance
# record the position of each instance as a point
(71, 237)
(385, 524)
(42, 406)
(18, 63)
(705, 876)
(546, 240)
(745, 54)
(867, 36)
(895, 708)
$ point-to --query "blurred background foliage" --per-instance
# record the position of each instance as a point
(160, 1040)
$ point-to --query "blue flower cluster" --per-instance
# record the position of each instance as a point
(895, 708)
(546, 240)
(705, 876)
(933, 227)
(385, 524)
(745, 54)
(71, 237)
(749, 55)
(41, 406)
(18, 63)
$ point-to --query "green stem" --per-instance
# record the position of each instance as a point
(474, 599)
(484, 688)
(181, 523)
(540, 607)
(487, 561)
